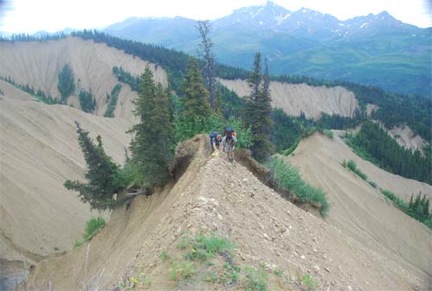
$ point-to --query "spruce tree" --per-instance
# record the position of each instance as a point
(66, 83)
(152, 145)
(102, 174)
(195, 105)
(257, 112)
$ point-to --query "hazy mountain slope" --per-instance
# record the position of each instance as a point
(39, 151)
(297, 98)
(38, 64)
(214, 196)
(362, 211)
(376, 50)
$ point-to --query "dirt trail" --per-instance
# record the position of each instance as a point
(213, 196)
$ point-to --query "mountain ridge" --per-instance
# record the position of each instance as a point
(376, 50)
(213, 196)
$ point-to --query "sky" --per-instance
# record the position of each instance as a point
(30, 16)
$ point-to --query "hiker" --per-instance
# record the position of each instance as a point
(228, 144)
(215, 142)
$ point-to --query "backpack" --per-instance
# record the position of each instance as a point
(212, 136)
(229, 132)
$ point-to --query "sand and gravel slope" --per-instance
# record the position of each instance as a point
(213, 196)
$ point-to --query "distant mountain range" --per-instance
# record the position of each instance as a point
(376, 50)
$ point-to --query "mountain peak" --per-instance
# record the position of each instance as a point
(258, 16)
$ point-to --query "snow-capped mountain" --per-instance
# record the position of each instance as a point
(373, 49)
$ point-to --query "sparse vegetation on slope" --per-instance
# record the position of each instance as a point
(39, 95)
(288, 180)
(93, 226)
(417, 208)
(210, 258)
(353, 167)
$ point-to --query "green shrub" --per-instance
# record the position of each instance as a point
(181, 271)
(328, 133)
(309, 282)
(373, 184)
(164, 256)
(255, 279)
(287, 178)
(353, 167)
(204, 247)
(93, 226)
(428, 222)
(231, 274)
(292, 148)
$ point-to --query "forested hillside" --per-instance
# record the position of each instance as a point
(376, 50)
(391, 109)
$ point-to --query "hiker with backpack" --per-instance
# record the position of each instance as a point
(215, 142)
(228, 143)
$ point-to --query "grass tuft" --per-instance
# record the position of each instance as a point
(93, 226)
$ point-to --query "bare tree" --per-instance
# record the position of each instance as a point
(209, 60)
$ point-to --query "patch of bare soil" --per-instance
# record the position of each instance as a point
(407, 138)
(297, 98)
(215, 197)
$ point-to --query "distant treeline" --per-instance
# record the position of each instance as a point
(393, 109)
(374, 144)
